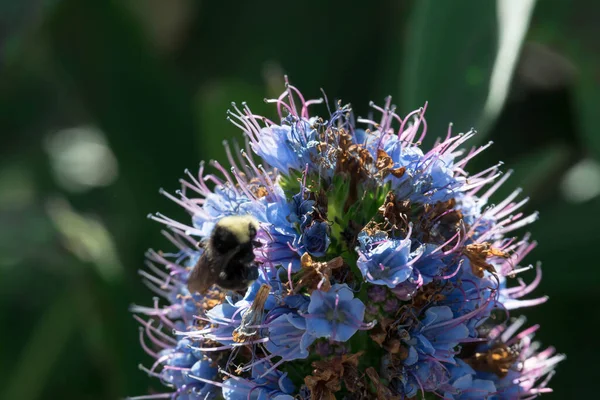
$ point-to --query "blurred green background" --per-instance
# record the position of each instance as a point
(104, 102)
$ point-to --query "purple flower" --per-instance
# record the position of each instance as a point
(390, 306)
(377, 294)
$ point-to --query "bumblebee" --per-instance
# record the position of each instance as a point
(228, 257)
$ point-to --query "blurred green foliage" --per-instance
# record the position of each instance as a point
(153, 80)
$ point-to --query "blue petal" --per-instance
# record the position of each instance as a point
(436, 315)
(342, 290)
(413, 356)
(344, 332)
(356, 308)
(319, 327)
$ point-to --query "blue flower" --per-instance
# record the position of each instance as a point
(366, 240)
(335, 314)
(315, 238)
(206, 371)
(225, 318)
(427, 178)
(438, 334)
(431, 345)
(223, 202)
(386, 263)
(303, 209)
(428, 265)
(288, 337)
(288, 146)
(298, 302)
(264, 385)
(467, 296)
(464, 385)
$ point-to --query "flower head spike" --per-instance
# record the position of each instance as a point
(381, 269)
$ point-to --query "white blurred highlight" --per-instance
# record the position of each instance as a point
(81, 158)
(582, 182)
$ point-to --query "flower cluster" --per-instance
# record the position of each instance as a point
(383, 269)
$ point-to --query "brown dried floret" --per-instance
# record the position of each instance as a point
(350, 375)
(354, 163)
(384, 161)
(261, 191)
(328, 375)
(384, 334)
(382, 391)
(395, 211)
(478, 253)
(427, 294)
(352, 158)
(385, 165)
(320, 208)
(445, 217)
(316, 274)
(378, 334)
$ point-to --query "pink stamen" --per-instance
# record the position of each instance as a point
(143, 344)
(153, 396)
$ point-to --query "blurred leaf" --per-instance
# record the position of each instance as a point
(513, 21)
(136, 100)
(47, 341)
(538, 173)
(568, 237)
(165, 22)
(213, 101)
(86, 238)
(450, 51)
(563, 319)
(588, 100)
(15, 18)
(100, 310)
(571, 29)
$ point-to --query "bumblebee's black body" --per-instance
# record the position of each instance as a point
(228, 257)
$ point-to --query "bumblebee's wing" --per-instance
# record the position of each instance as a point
(202, 276)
